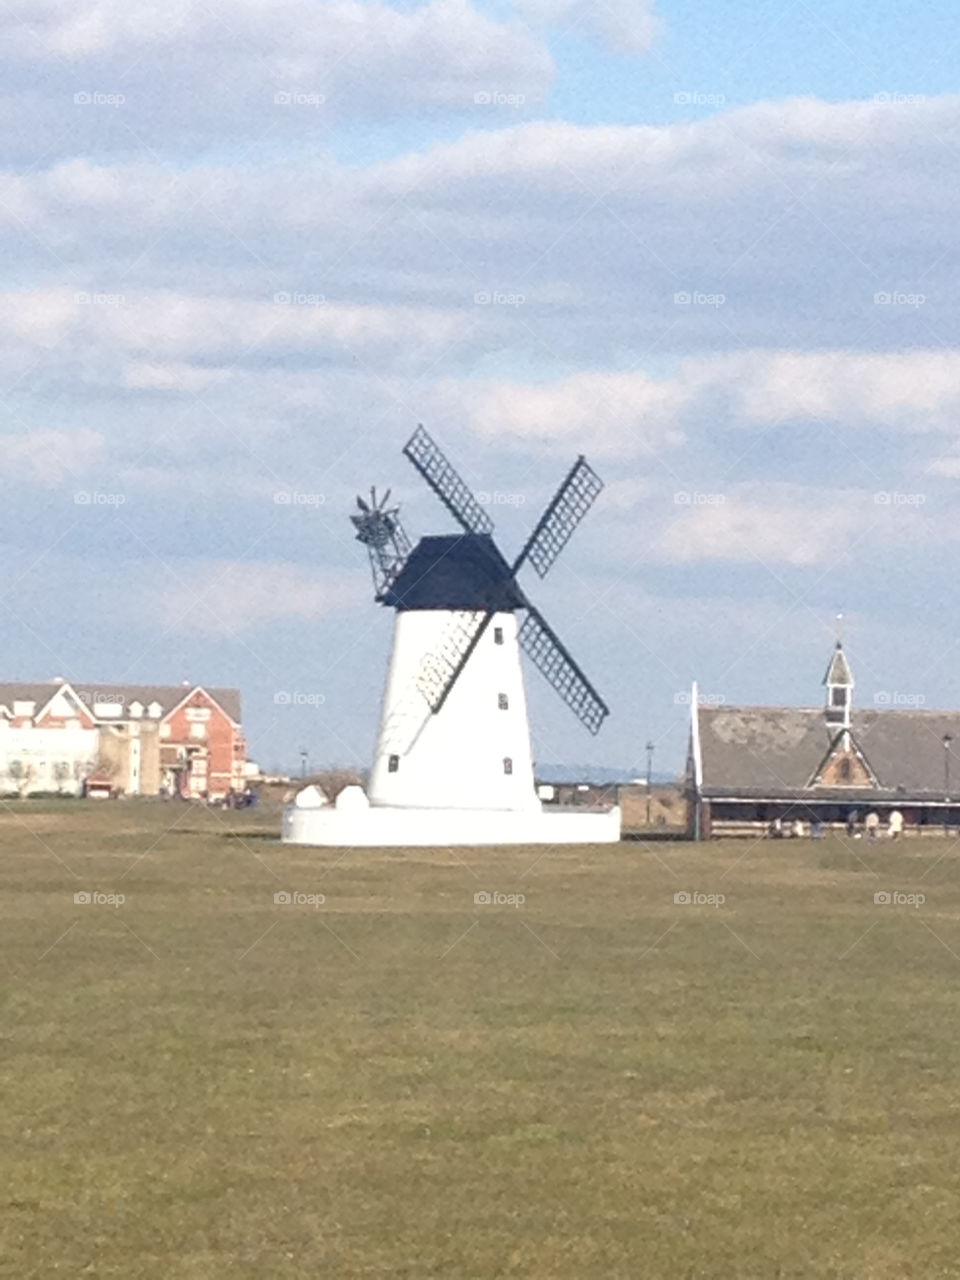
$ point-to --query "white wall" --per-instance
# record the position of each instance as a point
(40, 750)
(454, 760)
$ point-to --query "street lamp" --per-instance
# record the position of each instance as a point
(304, 757)
(650, 749)
(946, 765)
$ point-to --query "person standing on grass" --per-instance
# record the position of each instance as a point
(853, 817)
(872, 824)
(895, 824)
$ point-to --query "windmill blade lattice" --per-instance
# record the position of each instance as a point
(446, 483)
(567, 508)
(540, 644)
(440, 668)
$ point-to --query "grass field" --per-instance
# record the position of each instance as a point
(598, 1082)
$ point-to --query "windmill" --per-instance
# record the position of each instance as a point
(453, 762)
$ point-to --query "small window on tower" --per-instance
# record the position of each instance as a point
(845, 769)
(498, 635)
(393, 764)
(503, 702)
(507, 765)
(838, 696)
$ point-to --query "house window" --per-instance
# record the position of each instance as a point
(838, 697)
(498, 635)
(845, 770)
(503, 702)
(507, 764)
(393, 764)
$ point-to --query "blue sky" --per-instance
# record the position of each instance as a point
(243, 243)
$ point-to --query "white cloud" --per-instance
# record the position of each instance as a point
(159, 341)
(624, 26)
(48, 456)
(226, 598)
(616, 413)
(784, 524)
(185, 70)
(910, 390)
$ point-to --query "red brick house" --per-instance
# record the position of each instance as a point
(108, 739)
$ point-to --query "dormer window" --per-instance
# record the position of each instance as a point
(154, 711)
(136, 710)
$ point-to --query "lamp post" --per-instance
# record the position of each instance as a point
(650, 748)
(304, 757)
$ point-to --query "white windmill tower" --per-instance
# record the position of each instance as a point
(453, 763)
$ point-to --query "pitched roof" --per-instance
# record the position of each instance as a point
(38, 692)
(838, 672)
(456, 571)
(776, 750)
(167, 695)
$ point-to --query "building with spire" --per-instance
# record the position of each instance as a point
(748, 766)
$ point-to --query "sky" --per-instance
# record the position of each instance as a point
(247, 245)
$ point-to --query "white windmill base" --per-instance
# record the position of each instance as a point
(388, 826)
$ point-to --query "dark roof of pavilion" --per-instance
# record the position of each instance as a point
(770, 751)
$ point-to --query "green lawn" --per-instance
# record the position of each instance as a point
(596, 1083)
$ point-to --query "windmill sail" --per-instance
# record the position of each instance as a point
(446, 483)
(541, 644)
(569, 505)
(441, 669)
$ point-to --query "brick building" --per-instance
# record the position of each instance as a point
(75, 739)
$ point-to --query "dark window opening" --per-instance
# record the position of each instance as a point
(845, 770)
(507, 765)
(838, 697)
(498, 635)
(393, 764)
(503, 702)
